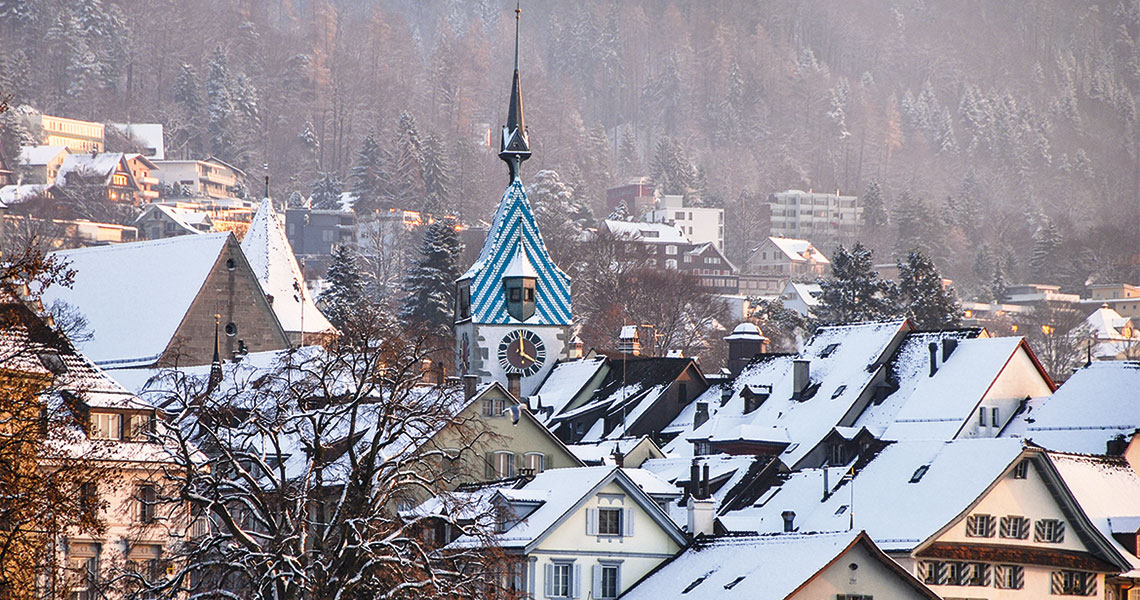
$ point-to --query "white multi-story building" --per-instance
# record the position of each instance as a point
(700, 224)
(808, 215)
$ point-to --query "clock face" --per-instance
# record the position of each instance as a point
(522, 351)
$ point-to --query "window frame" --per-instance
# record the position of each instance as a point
(1014, 527)
(146, 493)
(1009, 577)
(613, 570)
(1049, 531)
(980, 525)
(613, 519)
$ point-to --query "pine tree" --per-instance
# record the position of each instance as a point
(916, 227)
(1045, 260)
(998, 288)
(430, 286)
(403, 173)
(365, 183)
(326, 193)
(186, 94)
(346, 286)
(220, 107)
(620, 213)
(629, 160)
(561, 215)
(436, 174)
(854, 291)
(874, 206)
(296, 200)
(922, 297)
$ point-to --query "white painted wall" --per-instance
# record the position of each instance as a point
(870, 578)
(648, 547)
(1019, 378)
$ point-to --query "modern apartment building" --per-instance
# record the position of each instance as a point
(813, 216)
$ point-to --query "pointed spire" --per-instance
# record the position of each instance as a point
(216, 364)
(514, 147)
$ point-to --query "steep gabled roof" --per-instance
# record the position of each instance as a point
(514, 224)
(760, 567)
(135, 295)
(40, 155)
(1093, 406)
(272, 260)
(102, 165)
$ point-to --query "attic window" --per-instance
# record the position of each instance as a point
(230, 264)
(52, 362)
(231, 329)
(918, 473)
(828, 350)
(839, 392)
(1021, 470)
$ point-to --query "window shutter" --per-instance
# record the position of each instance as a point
(1018, 577)
(1007, 527)
(548, 580)
(597, 589)
(627, 522)
(591, 521)
(1060, 529)
(1057, 583)
(990, 526)
(489, 465)
(576, 590)
(1039, 532)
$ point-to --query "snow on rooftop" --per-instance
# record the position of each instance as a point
(897, 501)
(798, 250)
(762, 567)
(100, 165)
(1108, 492)
(1093, 406)
(39, 155)
(148, 134)
(135, 295)
(843, 361)
(565, 381)
(15, 194)
(647, 232)
(271, 258)
(938, 406)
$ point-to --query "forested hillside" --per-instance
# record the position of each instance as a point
(998, 136)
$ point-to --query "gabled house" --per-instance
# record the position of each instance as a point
(157, 303)
(844, 566)
(637, 396)
(1114, 336)
(777, 261)
(272, 260)
(39, 164)
(801, 297)
(970, 518)
(110, 170)
(573, 533)
(158, 221)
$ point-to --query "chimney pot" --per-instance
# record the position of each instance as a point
(705, 481)
(801, 375)
(933, 358)
(948, 347)
(702, 414)
(694, 481)
(789, 520)
(514, 385)
(470, 382)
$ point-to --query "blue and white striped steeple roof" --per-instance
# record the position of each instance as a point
(514, 224)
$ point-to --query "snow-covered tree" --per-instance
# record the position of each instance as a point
(874, 205)
(1045, 259)
(296, 200)
(403, 175)
(364, 180)
(435, 171)
(326, 192)
(922, 297)
(561, 216)
(345, 292)
(429, 301)
(854, 291)
(220, 108)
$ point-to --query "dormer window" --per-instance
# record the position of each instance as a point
(106, 426)
(463, 301)
(520, 296)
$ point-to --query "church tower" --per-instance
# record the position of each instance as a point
(512, 313)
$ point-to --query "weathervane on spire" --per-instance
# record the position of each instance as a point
(515, 147)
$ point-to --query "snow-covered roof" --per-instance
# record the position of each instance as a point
(843, 362)
(99, 165)
(757, 567)
(1108, 492)
(646, 232)
(725, 474)
(184, 218)
(565, 381)
(745, 331)
(561, 491)
(520, 265)
(272, 260)
(15, 194)
(602, 453)
(1114, 334)
(148, 134)
(798, 250)
(1093, 406)
(903, 496)
(939, 405)
(135, 295)
(40, 155)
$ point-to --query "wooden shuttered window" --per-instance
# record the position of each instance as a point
(1009, 577)
(1049, 530)
(980, 525)
(1014, 527)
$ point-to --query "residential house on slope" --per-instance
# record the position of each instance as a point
(665, 247)
(158, 221)
(156, 303)
(110, 170)
(986, 518)
(272, 260)
(777, 261)
(210, 178)
(588, 532)
(844, 566)
(1114, 337)
(39, 164)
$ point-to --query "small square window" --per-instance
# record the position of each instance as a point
(1021, 470)
(1049, 530)
(980, 526)
(609, 521)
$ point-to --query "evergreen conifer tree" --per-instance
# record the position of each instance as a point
(435, 171)
(1045, 260)
(295, 200)
(430, 286)
(854, 291)
(619, 213)
(997, 283)
(346, 286)
(220, 108)
(364, 180)
(921, 296)
(874, 205)
(326, 193)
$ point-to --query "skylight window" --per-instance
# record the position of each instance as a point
(827, 350)
(839, 391)
(918, 473)
(842, 509)
(697, 582)
(732, 584)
